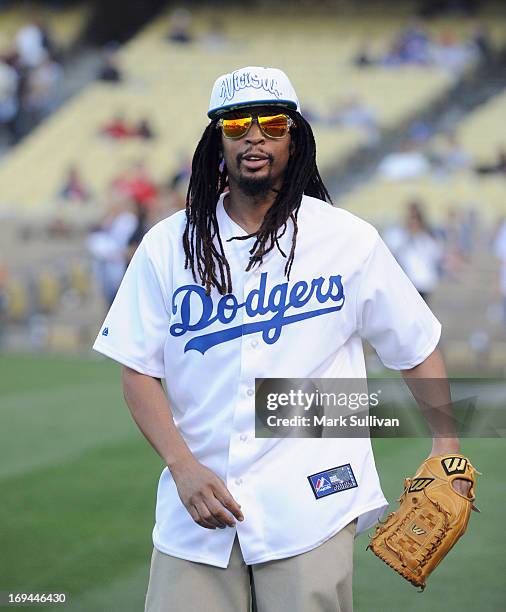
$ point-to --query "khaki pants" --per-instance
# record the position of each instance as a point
(319, 580)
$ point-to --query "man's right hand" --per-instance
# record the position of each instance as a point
(205, 496)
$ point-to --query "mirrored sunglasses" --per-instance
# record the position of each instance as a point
(272, 126)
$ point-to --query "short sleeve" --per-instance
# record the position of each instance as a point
(391, 314)
(136, 326)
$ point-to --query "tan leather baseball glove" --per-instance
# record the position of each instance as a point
(431, 517)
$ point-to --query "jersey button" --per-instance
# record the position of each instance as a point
(254, 343)
(238, 481)
(250, 392)
(243, 437)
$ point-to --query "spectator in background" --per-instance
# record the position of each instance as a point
(9, 106)
(420, 132)
(419, 254)
(109, 69)
(180, 27)
(452, 55)
(411, 46)
(42, 89)
(450, 157)
(144, 129)
(453, 234)
(415, 46)
(353, 112)
(29, 80)
(500, 252)
(215, 38)
(167, 202)
(469, 231)
(117, 128)
(108, 243)
(74, 189)
(459, 232)
(136, 184)
(481, 40)
(408, 163)
(143, 225)
(31, 45)
(183, 173)
(364, 58)
(497, 167)
(47, 40)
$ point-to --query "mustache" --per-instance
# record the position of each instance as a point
(239, 157)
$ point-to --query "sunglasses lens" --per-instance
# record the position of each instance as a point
(236, 128)
(275, 126)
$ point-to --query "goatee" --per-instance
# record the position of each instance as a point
(255, 187)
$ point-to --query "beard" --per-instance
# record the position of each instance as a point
(255, 187)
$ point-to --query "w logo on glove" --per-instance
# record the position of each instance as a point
(417, 484)
(454, 465)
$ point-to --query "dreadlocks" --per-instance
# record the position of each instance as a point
(208, 181)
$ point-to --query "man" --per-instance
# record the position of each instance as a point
(261, 278)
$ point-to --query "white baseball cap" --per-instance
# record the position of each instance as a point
(252, 86)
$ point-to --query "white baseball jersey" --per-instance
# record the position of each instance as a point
(345, 285)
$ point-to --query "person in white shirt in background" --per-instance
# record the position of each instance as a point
(8, 93)
(419, 254)
(29, 44)
(108, 245)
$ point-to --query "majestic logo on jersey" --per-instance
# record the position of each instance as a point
(418, 484)
(197, 310)
(454, 465)
(333, 480)
(322, 484)
(241, 80)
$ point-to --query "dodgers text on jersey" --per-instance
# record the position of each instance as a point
(281, 303)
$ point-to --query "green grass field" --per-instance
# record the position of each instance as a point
(78, 485)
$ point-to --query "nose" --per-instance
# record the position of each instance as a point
(255, 135)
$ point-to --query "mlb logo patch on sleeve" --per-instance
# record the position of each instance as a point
(333, 480)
